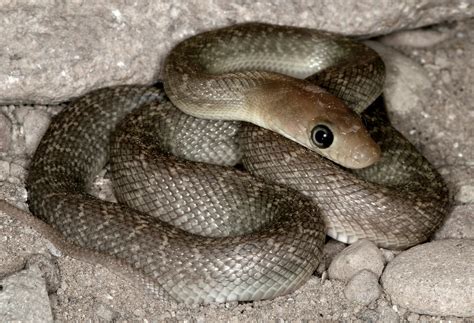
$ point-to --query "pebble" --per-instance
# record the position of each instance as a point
(49, 270)
(435, 278)
(4, 169)
(106, 313)
(5, 130)
(362, 254)
(388, 255)
(24, 297)
(35, 124)
(363, 288)
(415, 38)
(330, 250)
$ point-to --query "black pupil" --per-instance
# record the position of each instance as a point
(322, 136)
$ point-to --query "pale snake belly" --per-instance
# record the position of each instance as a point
(208, 233)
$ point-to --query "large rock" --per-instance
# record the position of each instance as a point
(23, 297)
(435, 278)
(51, 52)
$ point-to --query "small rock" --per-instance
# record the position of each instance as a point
(17, 171)
(363, 288)
(465, 194)
(369, 316)
(4, 170)
(363, 254)
(106, 313)
(49, 270)
(413, 317)
(23, 297)
(387, 314)
(388, 255)
(11, 191)
(35, 124)
(330, 250)
(102, 188)
(5, 133)
(415, 38)
(434, 278)
(459, 224)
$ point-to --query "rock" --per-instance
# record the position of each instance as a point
(5, 133)
(413, 317)
(52, 53)
(361, 255)
(388, 255)
(427, 113)
(465, 194)
(415, 38)
(23, 297)
(106, 313)
(403, 97)
(387, 314)
(369, 316)
(363, 288)
(49, 270)
(330, 250)
(459, 224)
(102, 188)
(14, 192)
(4, 170)
(435, 278)
(35, 124)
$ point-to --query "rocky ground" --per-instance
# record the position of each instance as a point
(430, 99)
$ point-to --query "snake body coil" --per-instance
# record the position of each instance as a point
(208, 233)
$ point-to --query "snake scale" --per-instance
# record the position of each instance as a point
(204, 232)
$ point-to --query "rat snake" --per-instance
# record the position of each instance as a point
(204, 232)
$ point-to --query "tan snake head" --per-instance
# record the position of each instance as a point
(317, 120)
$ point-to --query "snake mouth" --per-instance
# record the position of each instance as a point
(365, 155)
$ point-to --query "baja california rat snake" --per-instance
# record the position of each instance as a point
(211, 233)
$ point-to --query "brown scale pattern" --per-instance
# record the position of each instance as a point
(188, 267)
(397, 203)
(192, 228)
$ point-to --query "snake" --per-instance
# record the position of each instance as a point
(260, 141)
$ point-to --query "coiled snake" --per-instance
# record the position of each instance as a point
(208, 233)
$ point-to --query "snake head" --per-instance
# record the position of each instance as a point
(321, 122)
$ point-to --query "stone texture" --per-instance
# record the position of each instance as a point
(48, 268)
(51, 51)
(4, 170)
(23, 297)
(389, 255)
(5, 133)
(361, 255)
(330, 250)
(435, 278)
(35, 124)
(407, 84)
(439, 124)
(459, 224)
(363, 288)
(13, 192)
(415, 38)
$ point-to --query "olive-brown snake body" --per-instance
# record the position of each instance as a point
(397, 202)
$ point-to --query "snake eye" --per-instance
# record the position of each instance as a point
(322, 136)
